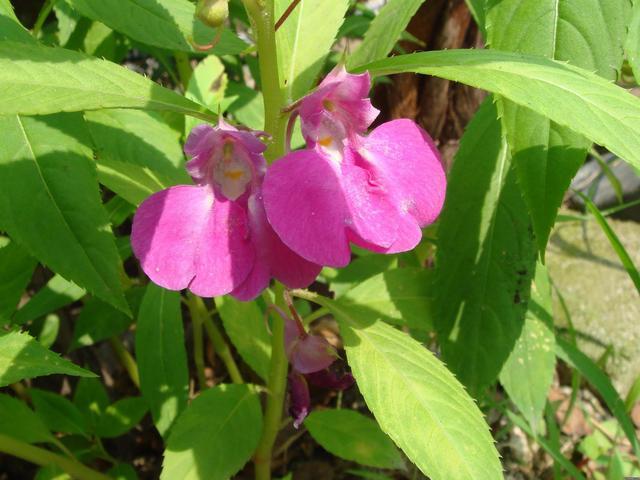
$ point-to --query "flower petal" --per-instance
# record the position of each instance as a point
(305, 205)
(299, 398)
(311, 353)
(186, 237)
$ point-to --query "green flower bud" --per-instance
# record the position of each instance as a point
(212, 12)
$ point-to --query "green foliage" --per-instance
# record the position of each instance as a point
(16, 267)
(98, 321)
(57, 412)
(20, 422)
(632, 45)
(360, 269)
(415, 399)
(384, 31)
(352, 436)
(161, 355)
(91, 399)
(206, 87)
(486, 257)
(57, 293)
(47, 176)
(215, 436)
(528, 372)
(246, 326)
(39, 80)
(547, 156)
(570, 96)
(121, 416)
(21, 356)
(302, 46)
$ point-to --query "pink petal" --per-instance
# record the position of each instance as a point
(186, 237)
(408, 164)
(305, 205)
(299, 398)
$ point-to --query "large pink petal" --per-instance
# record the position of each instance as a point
(185, 237)
(408, 164)
(305, 204)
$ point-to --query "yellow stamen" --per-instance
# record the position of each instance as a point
(328, 105)
(326, 141)
(234, 174)
(227, 151)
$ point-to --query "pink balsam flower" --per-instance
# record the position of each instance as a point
(375, 191)
(213, 237)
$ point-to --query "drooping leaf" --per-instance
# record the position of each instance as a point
(547, 156)
(485, 259)
(302, 45)
(57, 293)
(528, 372)
(570, 96)
(16, 268)
(352, 436)
(246, 326)
(385, 31)
(57, 412)
(36, 80)
(415, 399)
(215, 436)
(161, 355)
(20, 422)
(50, 202)
(121, 416)
(168, 24)
(21, 356)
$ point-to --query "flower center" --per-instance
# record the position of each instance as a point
(232, 170)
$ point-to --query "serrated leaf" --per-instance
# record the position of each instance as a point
(16, 268)
(528, 372)
(302, 46)
(385, 30)
(57, 412)
(352, 436)
(21, 356)
(547, 156)
(246, 326)
(568, 95)
(215, 436)
(168, 24)
(57, 293)
(121, 416)
(20, 422)
(415, 399)
(401, 296)
(37, 80)
(50, 202)
(485, 259)
(161, 355)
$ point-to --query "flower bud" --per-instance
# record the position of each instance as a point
(212, 12)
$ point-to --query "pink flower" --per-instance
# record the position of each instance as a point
(213, 237)
(375, 191)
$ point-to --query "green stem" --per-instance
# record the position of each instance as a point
(222, 348)
(126, 359)
(45, 458)
(183, 65)
(196, 306)
(42, 16)
(276, 388)
(319, 313)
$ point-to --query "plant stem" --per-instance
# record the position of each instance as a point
(126, 359)
(183, 65)
(222, 348)
(44, 458)
(196, 306)
(42, 16)
(276, 388)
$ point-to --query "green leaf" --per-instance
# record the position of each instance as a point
(246, 326)
(121, 416)
(385, 30)
(344, 279)
(632, 45)
(401, 296)
(21, 356)
(528, 373)
(38, 80)
(570, 96)
(602, 383)
(415, 399)
(477, 8)
(245, 104)
(10, 28)
(92, 400)
(302, 45)
(215, 436)
(485, 258)
(20, 422)
(161, 355)
(97, 321)
(352, 436)
(547, 156)
(50, 202)
(16, 268)
(206, 87)
(57, 412)
(57, 293)
(123, 471)
(168, 24)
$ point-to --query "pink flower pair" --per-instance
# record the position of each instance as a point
(243, 223)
